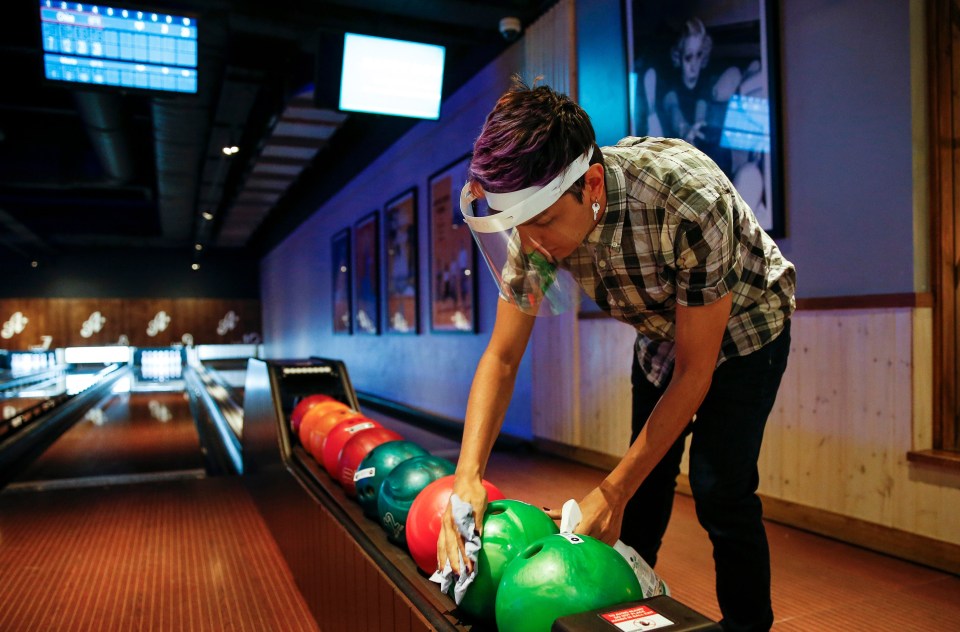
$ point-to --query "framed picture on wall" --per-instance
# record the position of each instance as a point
(402, 263)
(452, 255)
(707, 72)
(366, 279)
(341, 266)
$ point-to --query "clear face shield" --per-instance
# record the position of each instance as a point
(520, 243)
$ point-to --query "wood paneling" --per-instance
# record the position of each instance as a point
(556, 372)
(64, 319)
(84, 328)
(606, 399)
(24, 323)
(943, 57)
(855, 399)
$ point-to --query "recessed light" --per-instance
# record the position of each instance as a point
(198, 247)
(34, 264)
(208, 216)
(195, 266)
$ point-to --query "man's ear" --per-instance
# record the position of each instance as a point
(594, 180)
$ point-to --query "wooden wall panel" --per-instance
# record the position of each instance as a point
(142, 314)
(556, 395)
(856, 397)
(556, 374)
(64, 319)
(81, 322)
(28, 329)
(188, 318)
(606, 404)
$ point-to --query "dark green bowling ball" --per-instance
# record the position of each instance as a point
(560, 575)
(401, 486)
(509, 526)
(374, 467)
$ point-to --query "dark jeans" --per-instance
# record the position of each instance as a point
(723, 476)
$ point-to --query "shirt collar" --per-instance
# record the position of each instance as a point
(609, 229)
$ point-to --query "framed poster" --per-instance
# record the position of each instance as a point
(452, 254)
(366, 280)
(708, 72)
(402, 263)
(341, 267)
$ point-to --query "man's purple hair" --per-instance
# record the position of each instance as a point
(529, 137)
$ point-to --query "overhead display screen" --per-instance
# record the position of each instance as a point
(388, 76)
(98, 44)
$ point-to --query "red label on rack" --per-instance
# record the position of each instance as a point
(637, 618)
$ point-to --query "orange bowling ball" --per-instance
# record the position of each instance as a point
(338, 436)
(321, 418)
(303, 406)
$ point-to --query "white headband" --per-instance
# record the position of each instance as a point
(521, 206)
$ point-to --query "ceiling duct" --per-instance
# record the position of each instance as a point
(181, 126)
(300, 132)
(102, 114)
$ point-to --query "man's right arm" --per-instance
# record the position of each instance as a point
(490, 395)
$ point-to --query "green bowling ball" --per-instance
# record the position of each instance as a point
(509, 526)
(560, 575)
(401, 486)
(374, 467)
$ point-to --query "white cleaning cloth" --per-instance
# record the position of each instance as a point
(466, 525)
(650, 582)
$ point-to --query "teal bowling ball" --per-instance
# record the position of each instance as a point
(374, 467)
(401, 487)
(509, 527)
(560, 575)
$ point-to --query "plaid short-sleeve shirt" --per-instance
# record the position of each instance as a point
(676, 231)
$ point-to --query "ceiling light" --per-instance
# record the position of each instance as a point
(34, 264)
(195, 266)
(198, 247)
(231, 150)
(207, 215)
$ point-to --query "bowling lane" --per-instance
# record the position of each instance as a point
(127, 433)
(231, 374)
(180, 554)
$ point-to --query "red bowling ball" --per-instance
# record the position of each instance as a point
(354, 451)
(338, 436)
(423, 521)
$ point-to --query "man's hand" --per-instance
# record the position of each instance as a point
(450, 543)
(602, 511)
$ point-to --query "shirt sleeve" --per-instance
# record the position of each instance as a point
(706, 244)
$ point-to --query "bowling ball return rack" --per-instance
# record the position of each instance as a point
(350, 575)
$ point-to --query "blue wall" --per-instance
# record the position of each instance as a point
(847, 146)
(847, 172)
(602, 68)
(429, 371)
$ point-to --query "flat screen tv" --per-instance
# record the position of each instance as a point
(124, 47)
(388, 76)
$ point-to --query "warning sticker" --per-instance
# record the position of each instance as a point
(361, 426)
(637, 618)
(366, 472)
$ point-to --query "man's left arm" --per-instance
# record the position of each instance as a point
(699, 333)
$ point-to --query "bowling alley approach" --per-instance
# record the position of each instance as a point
(480, 316)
